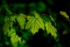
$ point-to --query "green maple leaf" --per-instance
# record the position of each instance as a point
(51, 29)
(11, 32)
(8, 24)
(41, 6)
(14, 40)
(35, 27)
(21, 20)
(34, 23)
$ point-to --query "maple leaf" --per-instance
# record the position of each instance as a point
(21, 20)
(34, 23)
(14, 40)
(51, 29)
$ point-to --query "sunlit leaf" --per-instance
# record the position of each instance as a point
(34, 27)
(21, 20)
(11, 32)
(29, 23)
(51, 29)
(12, 18)
(34, 23)
(6, 27)
(39, 20)
(14, 40)
(64, 14)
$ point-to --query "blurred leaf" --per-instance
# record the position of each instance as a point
(21, 20)
(41, 7)
(12, 18)
(39, 20)
(6, 19)
(23, 41)
(14, 40)
(30, 22)
(7, 43)
(32, 6)
(28, 17)
(34, 27)
(64, 14)
(26, 35)
(11, 32)
(51, 29)
(6, 28)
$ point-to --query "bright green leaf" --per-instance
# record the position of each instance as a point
(51, 29)
(30, 22)
(64, 14)
(21, 20)
(34, 23)
(39, 20)
(11, 32)
(14, 40)
(34, 27)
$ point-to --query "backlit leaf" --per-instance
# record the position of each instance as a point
(21, 20)
(51, 29)
(29, 23)
(12, 18)
(14, 40)
(11, 32)
(7, 26)
(39, 20)
(34, 27)
(34, 23)
(64, 14)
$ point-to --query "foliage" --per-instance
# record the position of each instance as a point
(27, 25)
